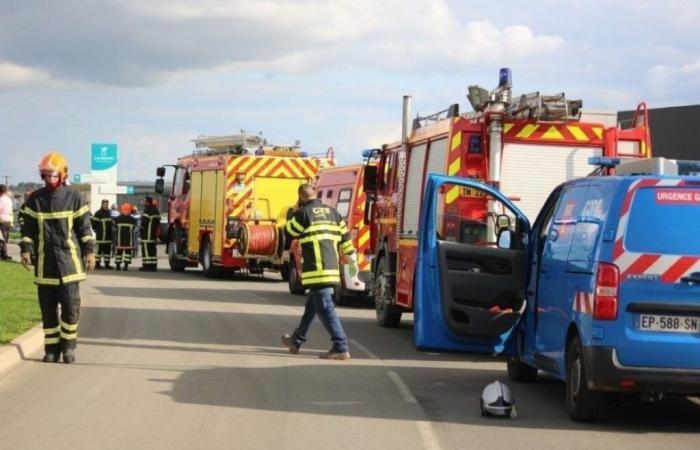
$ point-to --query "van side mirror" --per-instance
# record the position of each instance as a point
(160, 171)
(505, 238)
(160, 185)
(502, 222)
(369, 182)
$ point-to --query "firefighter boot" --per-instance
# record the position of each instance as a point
(119, 266)
(98, 266)
(68, 348)
(108, 267)
(126, 267)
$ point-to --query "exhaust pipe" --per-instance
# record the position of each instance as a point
(406, 123)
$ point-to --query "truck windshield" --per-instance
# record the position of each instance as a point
(664, 220)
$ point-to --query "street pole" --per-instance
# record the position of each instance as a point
(7, 180)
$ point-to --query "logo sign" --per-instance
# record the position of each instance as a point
(129, 190)
(76, 178)
(104, 156)
(678, 196)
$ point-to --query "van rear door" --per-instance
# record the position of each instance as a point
(657, 252)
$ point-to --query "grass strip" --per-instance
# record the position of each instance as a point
(19, 308)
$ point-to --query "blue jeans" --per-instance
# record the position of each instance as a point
(320, 301)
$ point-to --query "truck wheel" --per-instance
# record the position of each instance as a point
(340, 297)
(206, 258)
(284, 271)
(388, 315)
(176, 264)
(521, 372)
(583, 404)
(294, 281)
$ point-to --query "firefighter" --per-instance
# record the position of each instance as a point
(124, 246)
(55, 233)
(150, 221)
(103, 226)
(321, 231)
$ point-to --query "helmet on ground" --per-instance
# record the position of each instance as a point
(125, 209)
(52, 163)
(497, 400)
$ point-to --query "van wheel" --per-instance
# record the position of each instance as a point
(294, 279)
(521, 372)
(206, 258)
(388, 315)
(176, 264)
(583, 404)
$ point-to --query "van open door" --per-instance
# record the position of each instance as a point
(469, 288)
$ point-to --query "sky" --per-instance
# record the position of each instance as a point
(151, 75)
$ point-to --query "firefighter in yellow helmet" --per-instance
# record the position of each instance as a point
(56, 237)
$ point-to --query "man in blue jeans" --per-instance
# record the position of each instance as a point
(321, 231)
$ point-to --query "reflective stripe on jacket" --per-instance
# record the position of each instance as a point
(124, 231)
(320, 231)
(103, 225)
(56, 231)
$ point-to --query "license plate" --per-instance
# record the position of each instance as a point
(672, 324)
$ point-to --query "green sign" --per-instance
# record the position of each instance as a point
(129, 190)
(104, 156)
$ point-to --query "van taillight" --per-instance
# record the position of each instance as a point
(606, 290)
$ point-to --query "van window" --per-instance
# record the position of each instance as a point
(329, 193)
(343, 206)
(319, 195)
(561, 233)
(664, 220)
(590, 221)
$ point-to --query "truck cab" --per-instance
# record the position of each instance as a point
(601, 292)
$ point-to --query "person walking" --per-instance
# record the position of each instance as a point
(103, 225)
(55, 233)
(6, 216)
(321, 231)
(150, 220)
(124, 246)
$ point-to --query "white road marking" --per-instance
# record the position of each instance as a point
(401, 385)
(365, 350)
(430, 440)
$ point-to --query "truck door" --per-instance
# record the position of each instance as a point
(469, 294)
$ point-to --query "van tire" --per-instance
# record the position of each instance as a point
(583, 404)
(206, 258)
(176, 264)
(388, 315)
(521, 372)
(294, 280)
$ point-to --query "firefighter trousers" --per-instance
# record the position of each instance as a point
(60, 332)
(123, 255)
(104, 252)
(148, 254)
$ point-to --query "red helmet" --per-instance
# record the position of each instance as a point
(125, 209)
(54, 162)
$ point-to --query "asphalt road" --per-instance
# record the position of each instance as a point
(178, 361)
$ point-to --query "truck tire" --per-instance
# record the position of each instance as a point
(284, 271)
(294, 280)
(176, 264)
(583, 404)
(519, 371)
(206, 258)
(388, 315)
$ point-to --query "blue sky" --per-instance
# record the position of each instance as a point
(152, 75)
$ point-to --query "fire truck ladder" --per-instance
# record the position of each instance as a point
(538, 107)
(424, 121)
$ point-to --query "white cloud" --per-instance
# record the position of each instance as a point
(671, 80)
(14, 75)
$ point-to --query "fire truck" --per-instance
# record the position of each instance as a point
(523, 146)
(342, 188)
(230, 200)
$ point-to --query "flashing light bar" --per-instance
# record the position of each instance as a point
(602, 161)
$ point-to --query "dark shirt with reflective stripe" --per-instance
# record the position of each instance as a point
(103, 225)
(321, 231)
(56, 231)
(124, 227)
(150, 220)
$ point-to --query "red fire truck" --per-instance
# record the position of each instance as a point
(524, 146)
(342, 188)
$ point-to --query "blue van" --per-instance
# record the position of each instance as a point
(602, 291)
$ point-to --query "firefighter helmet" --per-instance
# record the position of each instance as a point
(125, 209)
(497, 400)
(54, 162)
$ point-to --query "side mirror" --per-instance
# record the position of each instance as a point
(505, 238)
(370, 179)
(160, 171)
(502, 222)
(160, 184)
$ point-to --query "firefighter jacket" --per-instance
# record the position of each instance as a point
(320, 231)
(56, 231)
(103, 226)
(124, 231)
(150, 220)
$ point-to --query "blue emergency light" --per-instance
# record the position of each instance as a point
(505, 78)
(602, 161)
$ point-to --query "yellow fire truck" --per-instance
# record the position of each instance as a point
(229, 199)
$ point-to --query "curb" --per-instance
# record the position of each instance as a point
(21, 348)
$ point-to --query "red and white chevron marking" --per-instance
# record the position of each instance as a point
(669, 268)
(583, 302)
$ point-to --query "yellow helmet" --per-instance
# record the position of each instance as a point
(54, 162)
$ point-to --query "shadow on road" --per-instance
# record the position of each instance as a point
(167, 274)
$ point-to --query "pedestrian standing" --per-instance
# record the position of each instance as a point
(55, 234)
(321, 231)
(150, 221)
(6, 216)
(124, 233)
(103, 225)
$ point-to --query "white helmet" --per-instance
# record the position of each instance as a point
(497, 400)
